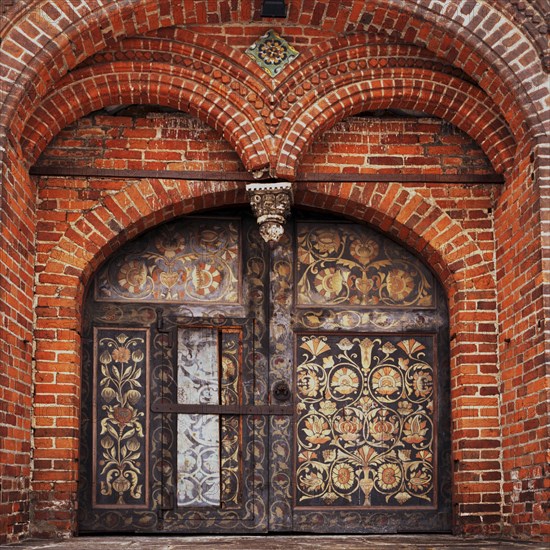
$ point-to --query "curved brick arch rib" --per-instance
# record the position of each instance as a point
(444, 97)
(120, 217)
(239, 65)
(92, 88)
(63, 43)
(181, 47)
(57, 37)
(501, 58)
(360, 51)
(141, 205)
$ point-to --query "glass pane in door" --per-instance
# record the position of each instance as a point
(198, 459)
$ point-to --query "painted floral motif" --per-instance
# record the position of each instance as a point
(191, 261)
(386, 381)
(399, 284)
(330, 282)
(352, 265)
(121, 443)
(345, 381)
(365, 426)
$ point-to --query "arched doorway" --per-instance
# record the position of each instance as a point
(231, 387)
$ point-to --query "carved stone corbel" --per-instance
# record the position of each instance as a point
(271, 204)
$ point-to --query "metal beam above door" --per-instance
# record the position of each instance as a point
(310, 177)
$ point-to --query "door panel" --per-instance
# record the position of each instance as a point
(195, 289)
(360, 327)
(121, 418)
(229, 387)
(364, 422)
(215, 452)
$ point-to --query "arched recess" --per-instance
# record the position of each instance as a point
(446, 97)
(473, 50)
(65, 269)
(92, 88)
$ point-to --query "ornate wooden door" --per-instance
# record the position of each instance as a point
(230, 387)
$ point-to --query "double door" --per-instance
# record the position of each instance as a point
(231, 387)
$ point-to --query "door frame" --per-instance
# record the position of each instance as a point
(279, 262)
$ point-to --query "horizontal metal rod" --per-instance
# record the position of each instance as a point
(179, 408)
(198, 175)
(400, 178)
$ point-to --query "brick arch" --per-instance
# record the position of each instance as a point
(203, 53)
(94, 87)
(360, 51)
(67, 268)
(72, 34)
(508, 67)
(445, 97)
(478, 51)
(400, 212)
(390, 207)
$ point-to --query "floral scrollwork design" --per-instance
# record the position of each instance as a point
(121, 435)
(365, 422)
(354, 266)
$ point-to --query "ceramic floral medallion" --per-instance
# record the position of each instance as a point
(365, 434)
(350, 265)
(195, 262)
(272, 53)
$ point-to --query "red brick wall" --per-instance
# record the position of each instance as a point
(17, 238)
(160, 141)
(523, 368)
(389, 145)
(155, 142)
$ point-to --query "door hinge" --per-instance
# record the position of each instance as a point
(161, 328)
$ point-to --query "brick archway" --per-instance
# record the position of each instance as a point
(49, 58)
(65, 270)
(446, 97)
(107, 84)
(493, 46)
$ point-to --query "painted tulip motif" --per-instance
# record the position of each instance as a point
(122, 426)
(317, 430)
(416, 429)
(366, 345)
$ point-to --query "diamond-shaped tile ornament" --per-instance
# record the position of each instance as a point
(272, 53)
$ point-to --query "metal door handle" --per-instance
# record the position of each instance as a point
(281, 391)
